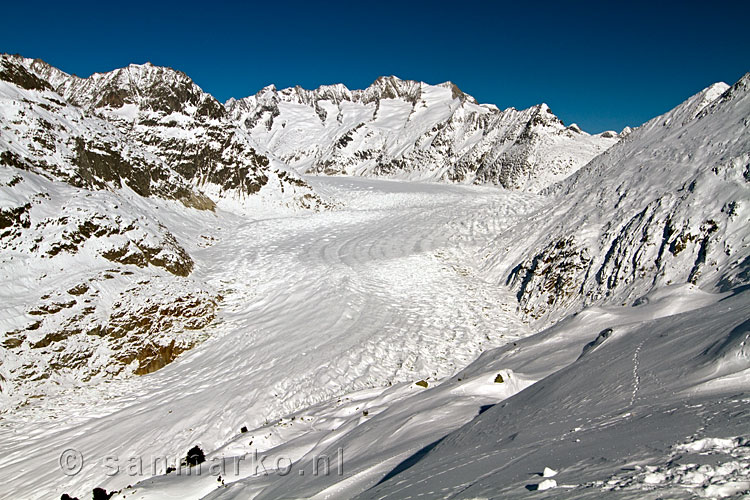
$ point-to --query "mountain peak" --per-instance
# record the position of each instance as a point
(457, 93)
(147, 64)
(728, 93)
(392, 87)
(13, 70)
(386, 79)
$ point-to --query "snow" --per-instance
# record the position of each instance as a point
(585, 416)
(549, 472)
(547, 484)
(411, 130)
(314, 307)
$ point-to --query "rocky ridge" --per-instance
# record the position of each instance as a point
(413, 130)
(666, 205)
(162, 112)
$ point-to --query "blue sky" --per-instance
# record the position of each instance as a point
(600, 64)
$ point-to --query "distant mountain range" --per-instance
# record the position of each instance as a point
(412, 130)
(394, 128)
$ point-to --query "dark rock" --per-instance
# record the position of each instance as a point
(195, 456)
(101, 494)
(13, 72)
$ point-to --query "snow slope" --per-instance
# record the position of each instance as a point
(412, 130)
(647, 401)
(668, 204)
(99, 292)
(632, 414)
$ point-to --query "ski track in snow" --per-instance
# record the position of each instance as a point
(636, 376)
(315, 306)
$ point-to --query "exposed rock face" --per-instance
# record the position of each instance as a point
(14, 72)
(50, 137)
(164, 113)
(667, 205)
(408, 129)
(104, 283)
(78, 336)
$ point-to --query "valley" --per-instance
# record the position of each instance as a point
(379, 291)
(453, 300)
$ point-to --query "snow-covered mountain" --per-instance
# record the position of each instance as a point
(413, 130)
(168, 281)
(45, 134)
(82, 155)
(94, 283)
(669, 204)
(163, 112)
(644, 391)
(394, 128)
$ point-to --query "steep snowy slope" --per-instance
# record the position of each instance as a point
(162, 111)
(94, 285)
(648, 400)
(412, 130)
(668, 204)
(649, 409)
